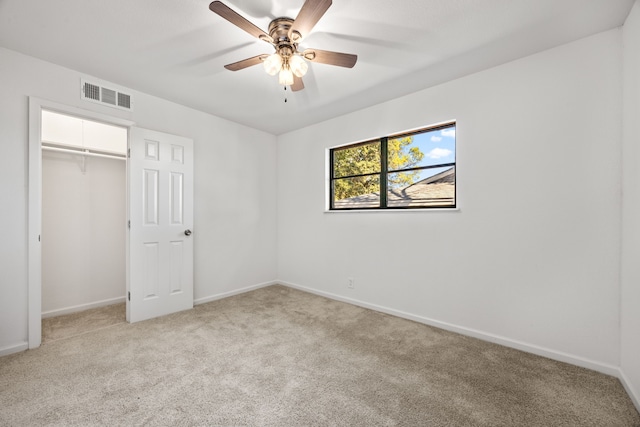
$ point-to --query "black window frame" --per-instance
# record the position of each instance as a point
(383, 175)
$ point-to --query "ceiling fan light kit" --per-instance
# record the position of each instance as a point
(272, 64)
(285, 77)
(298, 65)
(284, 35)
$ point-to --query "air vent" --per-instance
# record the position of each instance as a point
(124, 100)
(91, 91)
(106, 95)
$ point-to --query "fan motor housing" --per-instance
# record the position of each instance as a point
(279, 31)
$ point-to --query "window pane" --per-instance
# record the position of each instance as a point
(355, 193)
(358, 160)
(423, 149)
(422, 188)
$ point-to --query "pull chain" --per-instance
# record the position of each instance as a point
(285, 96)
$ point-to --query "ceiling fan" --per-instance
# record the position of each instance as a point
(284, 35)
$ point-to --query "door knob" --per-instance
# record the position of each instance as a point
(187, 232)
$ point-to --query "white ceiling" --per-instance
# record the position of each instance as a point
(176, 49)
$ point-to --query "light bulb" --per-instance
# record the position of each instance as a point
(272, 64)
(286, 76)
(298, 65)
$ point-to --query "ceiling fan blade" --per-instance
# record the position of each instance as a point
(308, 17)
(332, 58)
(297, 84)
(230, 15)
(255, 60)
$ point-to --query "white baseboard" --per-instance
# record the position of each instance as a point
(518, 345)
(14, 348)
(82, 307)
(215, 297)
(103, 303)
(631, 391)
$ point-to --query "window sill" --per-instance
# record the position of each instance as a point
(413, 210)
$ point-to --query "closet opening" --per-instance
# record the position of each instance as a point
(84, 219)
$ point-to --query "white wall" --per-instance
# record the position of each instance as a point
(235, 180)
(630, 324)
(83, 232)
(531, 259)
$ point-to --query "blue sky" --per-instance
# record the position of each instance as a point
(438, 146)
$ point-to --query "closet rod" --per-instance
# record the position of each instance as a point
(84, 153)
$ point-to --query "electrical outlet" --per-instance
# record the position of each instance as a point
(350, 283)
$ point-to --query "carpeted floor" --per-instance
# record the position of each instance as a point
(281, 357)
(71, 325)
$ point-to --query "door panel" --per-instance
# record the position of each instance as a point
(150, 196)
(160, 279)
(177, 197)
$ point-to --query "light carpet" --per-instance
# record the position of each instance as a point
(281, 357)
(87, 321)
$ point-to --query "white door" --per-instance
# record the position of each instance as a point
(160, 270)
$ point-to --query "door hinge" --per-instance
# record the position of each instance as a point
(128, 152)
(129, 296)
(129, 224)
(38, 237)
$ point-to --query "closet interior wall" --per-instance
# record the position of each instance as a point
(83, 232)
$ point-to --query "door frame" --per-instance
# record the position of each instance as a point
(36, 105)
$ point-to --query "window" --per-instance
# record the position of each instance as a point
(411, 170)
